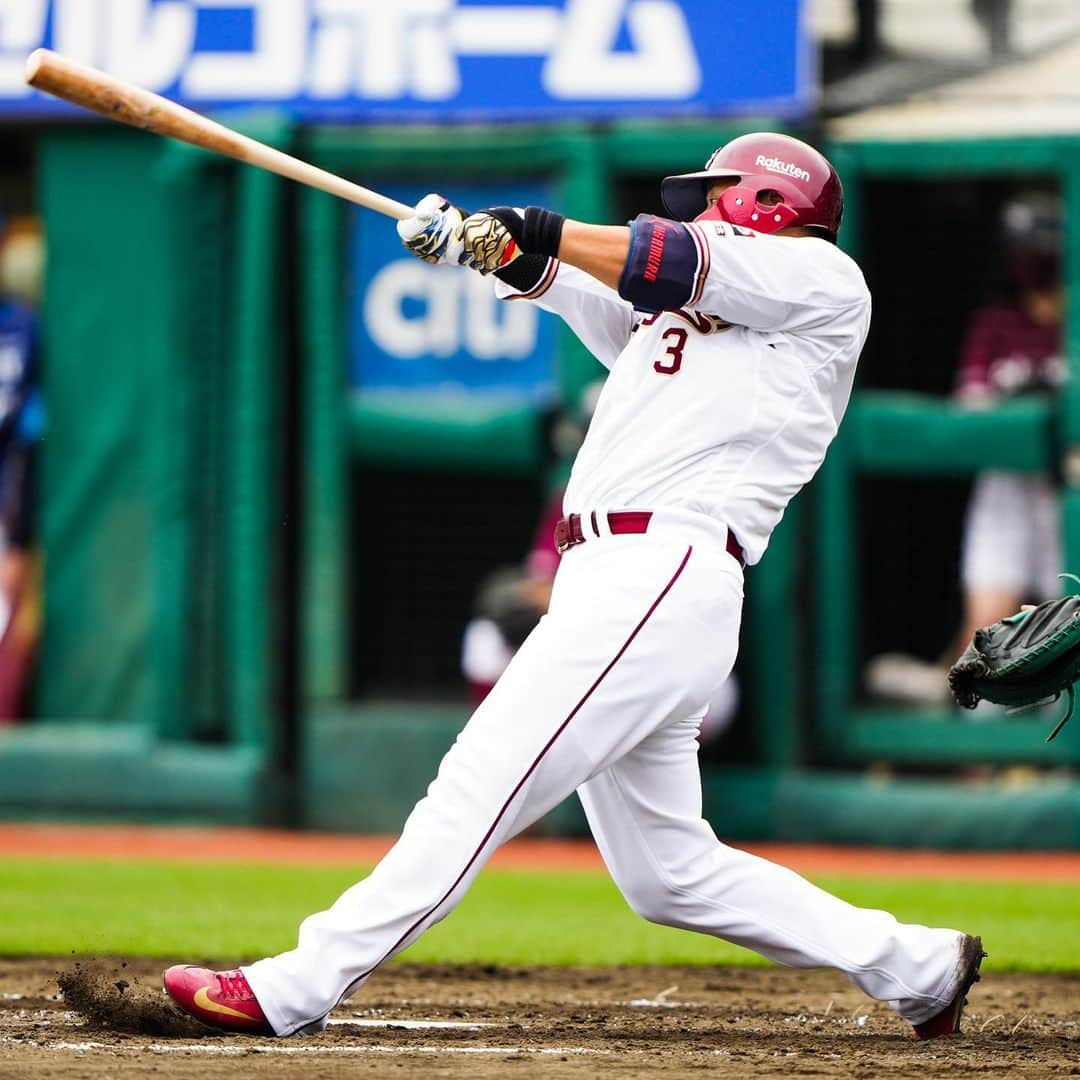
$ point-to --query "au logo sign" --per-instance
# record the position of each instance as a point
(411, 310)
(415, 328)
(372, 58)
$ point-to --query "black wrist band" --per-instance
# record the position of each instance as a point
(524, 273)
(542, 231)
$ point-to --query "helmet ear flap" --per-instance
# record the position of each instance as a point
(739, 206)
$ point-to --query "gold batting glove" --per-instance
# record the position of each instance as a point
(488, 242)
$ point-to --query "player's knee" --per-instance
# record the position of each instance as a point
(654, 900)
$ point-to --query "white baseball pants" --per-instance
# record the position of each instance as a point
(605, 697)
(1012, 535)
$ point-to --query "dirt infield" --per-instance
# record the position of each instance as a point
(413, 1020)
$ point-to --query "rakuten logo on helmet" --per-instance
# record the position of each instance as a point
(776, 165)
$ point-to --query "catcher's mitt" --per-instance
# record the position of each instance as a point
(1024, 659)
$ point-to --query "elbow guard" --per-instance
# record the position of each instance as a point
(662, 265)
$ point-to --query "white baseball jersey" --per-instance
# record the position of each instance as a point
(725, 407)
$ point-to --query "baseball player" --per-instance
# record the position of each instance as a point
(731, 329)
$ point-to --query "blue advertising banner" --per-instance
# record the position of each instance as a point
(428, 59)
(415, 328)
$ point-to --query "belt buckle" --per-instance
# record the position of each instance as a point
(563, 540)
(564, 536)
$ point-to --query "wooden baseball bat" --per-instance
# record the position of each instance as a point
(129, 104)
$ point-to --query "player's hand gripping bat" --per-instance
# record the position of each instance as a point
(129, 104)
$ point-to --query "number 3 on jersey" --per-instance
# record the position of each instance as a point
(677, 336)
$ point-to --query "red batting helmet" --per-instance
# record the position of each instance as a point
(809, 188)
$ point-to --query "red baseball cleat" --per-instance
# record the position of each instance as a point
(222, 999)
(947, 1022)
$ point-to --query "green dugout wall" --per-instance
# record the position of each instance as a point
(888, 435)
(187, 299)
(157, 690)
(818, 751)
(197, 500)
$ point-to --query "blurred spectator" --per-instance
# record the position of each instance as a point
(21, 427)
(1012, 544)
(509, 604)
(511, 601)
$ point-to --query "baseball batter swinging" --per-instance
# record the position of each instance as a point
(732, 330)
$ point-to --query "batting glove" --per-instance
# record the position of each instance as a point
(492, 239)
(433, 231)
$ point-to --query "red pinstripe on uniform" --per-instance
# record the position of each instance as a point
(528, 772)
(704, 262)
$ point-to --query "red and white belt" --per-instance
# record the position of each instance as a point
(569, 531)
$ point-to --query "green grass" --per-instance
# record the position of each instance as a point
(229, 911)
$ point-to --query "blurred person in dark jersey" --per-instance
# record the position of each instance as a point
(1012, 543)
(21, 428)
(511, 600)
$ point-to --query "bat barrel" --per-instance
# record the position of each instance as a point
(129, 104)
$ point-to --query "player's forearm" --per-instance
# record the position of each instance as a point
(653, 263)
(491, 240)
(599, 250)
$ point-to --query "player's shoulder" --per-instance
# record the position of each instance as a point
(842, 273)
(820, 274)
(802, 253)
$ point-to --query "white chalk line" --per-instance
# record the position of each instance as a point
(653, 1003)
(291, 1050)
(75, 1046)
(276, 1048)
(212, 1049)
(43, 1016)
(411, 1025)
(216, 1050)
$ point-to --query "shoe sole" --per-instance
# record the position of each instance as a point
(972, 956)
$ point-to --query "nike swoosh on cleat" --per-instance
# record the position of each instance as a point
(203, 1000)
